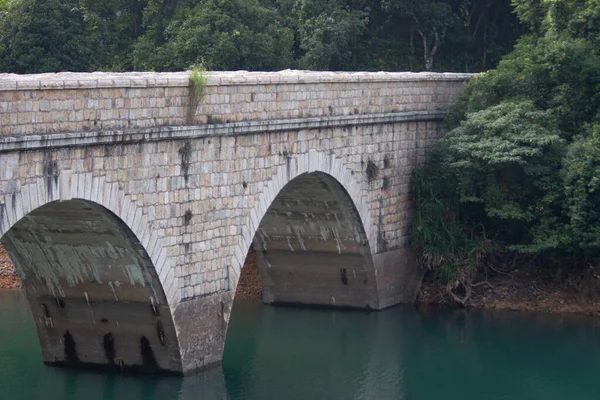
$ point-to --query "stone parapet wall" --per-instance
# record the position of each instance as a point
(76, 102)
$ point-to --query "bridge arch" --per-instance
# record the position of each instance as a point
(312, 231)
(96, 275)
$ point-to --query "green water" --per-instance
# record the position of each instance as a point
(283, 353)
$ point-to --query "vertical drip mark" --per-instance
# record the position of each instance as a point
(338, 241)
(223, 323)
(299, 231)
(112, 287)
(289, 243)
(148, 359)
(344, 273)
(2, 212)
(160, 331)
(154, 307)
(381, 242)
(109, 348)
(70, 348)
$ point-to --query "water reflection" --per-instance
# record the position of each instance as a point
(308, 353)
(274, 353)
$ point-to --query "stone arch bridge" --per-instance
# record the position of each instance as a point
(128, 202)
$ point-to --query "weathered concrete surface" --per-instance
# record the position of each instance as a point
(398, 277)
(93, 291)
(312, 248)
(202, 329)
(195, 197)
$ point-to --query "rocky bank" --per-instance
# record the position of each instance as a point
(8, 276)
(523, 290)
(249, 284)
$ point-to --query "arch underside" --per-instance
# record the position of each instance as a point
(311, 247)
(94, 293)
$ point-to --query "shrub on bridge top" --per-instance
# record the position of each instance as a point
(520, 166)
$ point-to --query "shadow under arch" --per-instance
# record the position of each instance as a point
(393, 276)
(94, 292)
(312, 249)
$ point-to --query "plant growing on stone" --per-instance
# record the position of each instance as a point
(198, 90)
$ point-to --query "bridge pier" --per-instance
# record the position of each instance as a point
(201, 325)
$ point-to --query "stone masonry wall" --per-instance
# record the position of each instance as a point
(195, 195)
(226, 172)
(225, 179)
(203, 212)
(70, 102)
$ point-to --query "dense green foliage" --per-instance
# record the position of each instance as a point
(111, 29)
(520, 168)
(224, 34)
(46, 36)
(122, 35)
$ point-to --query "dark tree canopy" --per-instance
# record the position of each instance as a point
(123, 35)
(223, 34)
(520, 170)
(42, 36)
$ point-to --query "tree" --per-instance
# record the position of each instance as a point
(111, 28)
(329, 33)
(523, 154)
(581, 179)
(223, 34)
(42, 36)
(120, 35)
(429, 19)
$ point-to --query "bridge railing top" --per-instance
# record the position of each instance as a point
(93, 80)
